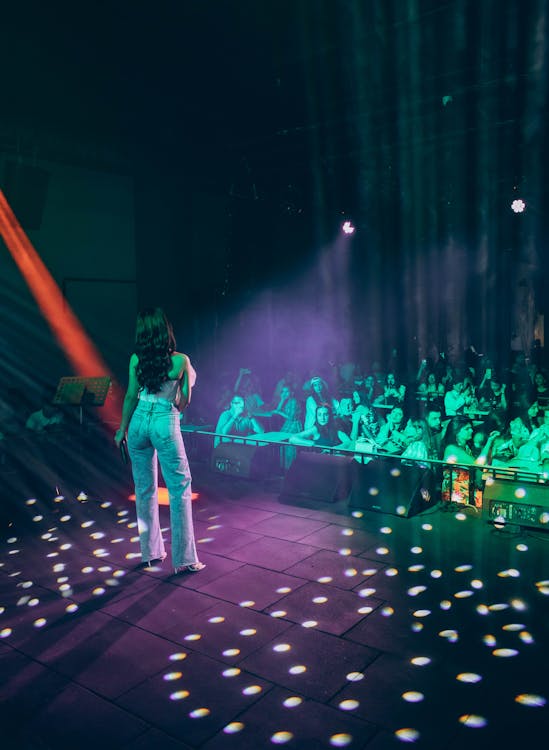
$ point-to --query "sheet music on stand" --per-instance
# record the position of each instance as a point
(78, 391)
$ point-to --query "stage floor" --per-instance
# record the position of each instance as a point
(312, 626)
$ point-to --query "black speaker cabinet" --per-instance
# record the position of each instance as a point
(392, 487)
(318, 476)
(247, 461)
(515, 502)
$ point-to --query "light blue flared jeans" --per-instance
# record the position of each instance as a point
(154, 434)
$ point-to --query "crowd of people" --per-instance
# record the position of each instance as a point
(465, 412)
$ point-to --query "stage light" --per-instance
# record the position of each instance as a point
(348, 227)
(67, 329)
(518, 206)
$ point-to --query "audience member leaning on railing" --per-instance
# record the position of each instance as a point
(460, 484)
(236, 421)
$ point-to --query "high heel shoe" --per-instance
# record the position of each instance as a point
(192, 568)
(154, 561)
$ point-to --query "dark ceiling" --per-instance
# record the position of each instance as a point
(257, 77)
(278, 92)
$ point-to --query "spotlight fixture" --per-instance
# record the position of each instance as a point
(518, 206)
(348, 227)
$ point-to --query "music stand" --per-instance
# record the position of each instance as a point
(77, 391)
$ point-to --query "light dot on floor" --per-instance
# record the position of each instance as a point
(470, 677)
(292, 701)
(199, 713)
(179, 695)
(297, 669)
(252, 690)
(407, 734)
(505, 652)
(413, 696)
(233, 727)
(341, 740)
(280, 738)
(355, 676)
(528, 699)
(473, 721)
(171, 676)
(349, 705)
(420, 661)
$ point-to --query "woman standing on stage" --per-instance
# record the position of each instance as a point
(159, 385)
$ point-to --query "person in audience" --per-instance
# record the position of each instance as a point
(433, 432)
(365, 426)
(493, 396)
(247, 385)
(418, 441)
(540, 390)
(457, 398)
(318, 393)
(344, 415)
(391, 437)
(511, 448)
(393, 393)
(287, 412)
(359, 396)
(288, 380)
(479, 440)
(460, 484)
(236, 420)
(322, 433)
(48, 417)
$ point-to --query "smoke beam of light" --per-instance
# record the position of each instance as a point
(66, 327)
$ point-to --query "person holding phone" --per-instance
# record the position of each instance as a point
(160, 384)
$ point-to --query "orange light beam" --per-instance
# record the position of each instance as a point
(67, 329)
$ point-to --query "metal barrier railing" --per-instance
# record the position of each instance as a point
(458, 482)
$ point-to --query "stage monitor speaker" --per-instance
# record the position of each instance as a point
(25, 188)
(393, 487)
(247, 461)
(318, 476)
(514, 502)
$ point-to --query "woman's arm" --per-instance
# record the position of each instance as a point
(225, 423)
(485, 453)
(188, 379)
(130, 400)
(306, 437)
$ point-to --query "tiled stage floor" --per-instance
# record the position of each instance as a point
(313, 626)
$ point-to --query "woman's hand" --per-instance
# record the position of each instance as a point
(119, 436)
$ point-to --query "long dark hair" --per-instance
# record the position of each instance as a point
(154, 345)
(327, 434)
(454, 427)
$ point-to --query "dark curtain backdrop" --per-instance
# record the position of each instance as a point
(420, 121)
